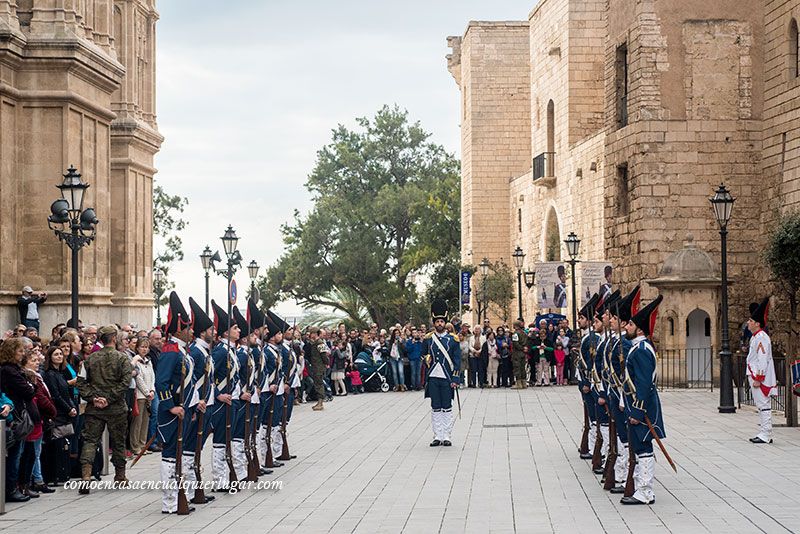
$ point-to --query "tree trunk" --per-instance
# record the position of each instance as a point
(790, 402)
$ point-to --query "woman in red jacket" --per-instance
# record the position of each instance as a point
(30, 470)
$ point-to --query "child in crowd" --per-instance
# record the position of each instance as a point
(562, 342)
(355, 379)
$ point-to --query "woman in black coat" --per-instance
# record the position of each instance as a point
(55, 465)
(13, 353)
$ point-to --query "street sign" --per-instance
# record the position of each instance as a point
(465, 289)
(232, 292)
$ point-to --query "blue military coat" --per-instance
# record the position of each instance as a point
(641, 369)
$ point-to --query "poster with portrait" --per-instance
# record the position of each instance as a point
(595, 277)
(551, 284)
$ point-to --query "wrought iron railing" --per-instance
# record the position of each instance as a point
(544, 165)
(745, 394)
(686, 369)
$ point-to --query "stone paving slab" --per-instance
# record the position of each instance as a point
(364, 466)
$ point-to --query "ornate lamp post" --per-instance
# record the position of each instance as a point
(158, 287)
(411, 278)
(519, 258)
(722, 201)
(252, 270)
(73, 225)
(484, 296)
(208, 259)
(230, 242)
(573, 245)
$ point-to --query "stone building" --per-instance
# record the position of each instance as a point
(77, 87)
(617, 119)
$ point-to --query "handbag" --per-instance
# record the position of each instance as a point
(21, 425)
(62, 431)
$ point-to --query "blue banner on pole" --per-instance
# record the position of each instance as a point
(465, 288)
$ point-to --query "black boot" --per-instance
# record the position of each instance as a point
(435, 443)
(16, 496)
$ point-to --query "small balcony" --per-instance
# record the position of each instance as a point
(544, 169)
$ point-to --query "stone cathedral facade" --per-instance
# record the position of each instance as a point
(77, 87)
(617, 120)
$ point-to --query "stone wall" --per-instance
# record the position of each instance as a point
(491, 65)
(63, 73)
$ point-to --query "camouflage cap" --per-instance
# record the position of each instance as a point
(109, 329)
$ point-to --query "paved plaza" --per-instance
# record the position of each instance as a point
(364, 465)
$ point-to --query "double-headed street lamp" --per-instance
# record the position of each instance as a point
(208, 259)
(230, 242)
(158, 290)
(252, 270)
(73, 225)
(573, 246)
(484, 296)
(519, 258)
(722, 201)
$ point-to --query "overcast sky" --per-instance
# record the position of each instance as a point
(249, 90)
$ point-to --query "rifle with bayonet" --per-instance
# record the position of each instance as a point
(597, 454)
(252, 473)
(228, 420)
(183, 504)
(580, 364)
(199, 492)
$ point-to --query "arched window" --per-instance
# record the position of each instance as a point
(794, 44)
(671, 322)
(551, 126)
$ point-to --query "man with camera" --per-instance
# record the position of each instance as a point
(28, 304)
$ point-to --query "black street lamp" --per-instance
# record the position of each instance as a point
(234, 260)
(573, 245)
(252, 270)
(411, 278)
(519, 258)
(484, 296)
(208, 259)
(158, 290)
(530, 279)
(722, 201)
(73, 225)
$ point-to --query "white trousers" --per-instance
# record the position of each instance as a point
(442, 422)
(644, 475)
(592, 435)
(219, 467)
(604, 433)
(277, 441)
(239, 459)
(169, 495)
(764, 406)
(621, 467)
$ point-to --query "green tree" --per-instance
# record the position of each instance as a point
(500, 289)
(783, 257)
(168, 223)
(386, 202)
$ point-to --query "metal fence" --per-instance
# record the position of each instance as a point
(745, 394)
(686, 369)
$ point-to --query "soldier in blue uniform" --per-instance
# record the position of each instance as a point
(202, 394)
(246, 388)
(226, 386)
(443, 355)
(584, 365)
(599, 377)
(618, 350)
(174, 383)
(275, 377)
(258, 323)
(643, 402)
(289, 365)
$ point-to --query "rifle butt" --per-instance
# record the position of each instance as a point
(183, 504)
(584, 448)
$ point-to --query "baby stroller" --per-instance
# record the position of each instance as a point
(373, 375)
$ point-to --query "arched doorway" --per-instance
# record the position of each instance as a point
(698, 346)
(552, 237)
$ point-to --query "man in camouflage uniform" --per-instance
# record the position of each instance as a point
(519, 340)
(105, 378)
(317, 357)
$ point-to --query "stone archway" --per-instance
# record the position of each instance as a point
(698, 346)
(552, 237)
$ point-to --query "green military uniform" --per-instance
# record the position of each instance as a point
(518, 342)
(317, 356)
(108, 374)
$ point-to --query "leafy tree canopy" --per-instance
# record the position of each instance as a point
(386, 202)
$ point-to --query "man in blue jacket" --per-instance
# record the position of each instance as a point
(414, 353)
